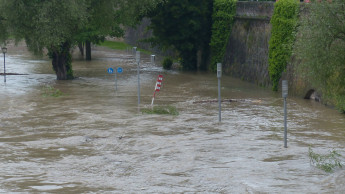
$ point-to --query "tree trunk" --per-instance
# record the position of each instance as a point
(61, 61)
(81, 48)
(88, 50)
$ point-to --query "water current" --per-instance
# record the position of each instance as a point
(95, 139)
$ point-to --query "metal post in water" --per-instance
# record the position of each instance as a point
(137, 57)
(115, 79)
(134, 50)
(4, 50)
(285, 94)
(219, 75)
(153, 59)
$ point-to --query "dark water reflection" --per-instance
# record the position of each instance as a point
(93, 139)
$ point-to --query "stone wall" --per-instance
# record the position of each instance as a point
(250, 8)
(247, 50)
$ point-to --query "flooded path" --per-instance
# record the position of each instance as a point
(93, 139)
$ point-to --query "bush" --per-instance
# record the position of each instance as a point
(223, 17)
(284, 21)
(327, 162)
(320, 49)
(167, 63)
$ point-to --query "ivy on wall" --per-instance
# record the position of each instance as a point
(223, 17)
(283, 22)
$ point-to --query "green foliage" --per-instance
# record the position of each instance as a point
(327, 162)
(58, 25)
(284, 21)
(320, 48)
(183, 25)
(166, 110)
(51, 91)
(223, 18)
(102, 21)
(167, 63)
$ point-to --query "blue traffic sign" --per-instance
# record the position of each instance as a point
(110, 70)
(119, 70)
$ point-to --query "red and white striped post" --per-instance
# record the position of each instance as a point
(157, 87)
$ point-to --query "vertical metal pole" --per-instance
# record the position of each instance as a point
(285, 124)
(137, 57)
(115, 80)
(4, 69)
(219, 75)
(219, 101)
(138, 83)
(285, 90)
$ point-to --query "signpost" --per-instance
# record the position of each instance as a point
(157, 87)
(219, 75)
(111, 71)
(137, 57)
(285, 94)
(153, 59)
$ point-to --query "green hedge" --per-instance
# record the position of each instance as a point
(223, 17)
(283, 22)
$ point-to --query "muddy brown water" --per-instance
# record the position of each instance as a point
(94, 139)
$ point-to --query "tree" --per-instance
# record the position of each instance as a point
(184, 25)
(46, 24)
(103, 20)
(320, 48)
(58, 25)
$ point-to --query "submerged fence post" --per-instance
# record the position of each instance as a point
(285, 94)
(219, 75)
(137, 57)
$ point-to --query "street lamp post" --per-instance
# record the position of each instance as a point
(4, 50)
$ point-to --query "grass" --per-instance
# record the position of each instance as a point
(161, 110)
(51, 91)
(328, 162)
(118, 45)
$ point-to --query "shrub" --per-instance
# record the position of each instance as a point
(167, 63)
(320, 48)
(327, 162)
(223, 18)
(283, 22)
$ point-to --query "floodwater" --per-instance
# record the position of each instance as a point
(95, 139)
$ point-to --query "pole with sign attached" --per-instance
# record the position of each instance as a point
(111, 71)
(153, 59)
(285, 94)
(219, 75)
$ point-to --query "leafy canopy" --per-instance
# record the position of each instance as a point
(320, 47)
(183, 25)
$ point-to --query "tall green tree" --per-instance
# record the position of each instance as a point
(103, 20)
(184, 25)
(320, 48)
(46, 24)
(58, 25)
